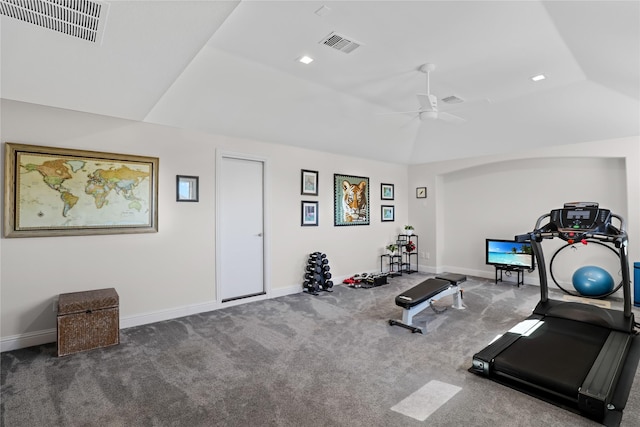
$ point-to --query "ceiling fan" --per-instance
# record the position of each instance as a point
(429, 103)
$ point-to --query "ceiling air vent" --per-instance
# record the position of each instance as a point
(83, 19)
(341, 43)
(452, 99)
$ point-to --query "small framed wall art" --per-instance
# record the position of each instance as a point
(308, 182)
(386, 191)
(388, 213)
(186, 188)
(309, 215)
(421, 192)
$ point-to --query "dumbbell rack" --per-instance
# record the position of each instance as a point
(317, 276)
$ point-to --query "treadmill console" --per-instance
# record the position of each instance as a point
(576, 219)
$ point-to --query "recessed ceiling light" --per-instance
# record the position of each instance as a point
(538, 77)
(305, 59)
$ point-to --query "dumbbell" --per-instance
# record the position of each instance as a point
(312, 276)
(311, 285)
(313, 268)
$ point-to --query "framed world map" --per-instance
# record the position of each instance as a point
(59, 192)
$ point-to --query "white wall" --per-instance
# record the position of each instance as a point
(501, 196)
(172, 272)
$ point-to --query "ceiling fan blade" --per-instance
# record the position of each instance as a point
(427, 102)
(401, 112)
(448, 117)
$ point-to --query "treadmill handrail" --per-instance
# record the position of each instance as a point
(623, 224)
(619, 238)
(539, 221)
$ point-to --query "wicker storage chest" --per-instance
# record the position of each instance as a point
(88, 320)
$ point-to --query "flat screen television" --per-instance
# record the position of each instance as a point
(509, 254)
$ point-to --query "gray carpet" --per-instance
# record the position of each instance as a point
(298, 360)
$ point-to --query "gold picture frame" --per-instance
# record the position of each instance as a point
(53, 191)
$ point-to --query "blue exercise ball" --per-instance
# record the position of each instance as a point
(592, 281)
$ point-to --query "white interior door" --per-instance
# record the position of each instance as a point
(240, 228)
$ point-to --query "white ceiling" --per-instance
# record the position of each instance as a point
(230, 68)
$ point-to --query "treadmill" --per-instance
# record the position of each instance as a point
(568, 353)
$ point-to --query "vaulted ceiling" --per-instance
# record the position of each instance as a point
(230, 67)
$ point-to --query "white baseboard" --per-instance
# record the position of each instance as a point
(30, 339)
(281, 292)
(174, 313)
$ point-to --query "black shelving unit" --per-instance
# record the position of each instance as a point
(409, 260)
(393, 263)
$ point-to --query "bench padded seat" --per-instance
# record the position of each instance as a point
(452, 277)
(422, 292)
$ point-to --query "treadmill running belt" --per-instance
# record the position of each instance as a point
(557, 356)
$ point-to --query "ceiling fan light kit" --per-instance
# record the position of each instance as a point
(428, 115)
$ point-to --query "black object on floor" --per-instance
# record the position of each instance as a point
(317, 276)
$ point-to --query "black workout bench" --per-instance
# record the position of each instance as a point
(424, 294)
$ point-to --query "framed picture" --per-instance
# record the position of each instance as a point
(351, 200)
(386, 191)
(309, 182)
(388, 213)
(309, 213)
(421, 192)
(63, 192)
(186, 188)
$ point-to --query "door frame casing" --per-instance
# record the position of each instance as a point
(266, 221)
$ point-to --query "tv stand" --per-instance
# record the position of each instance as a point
(519, 271)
